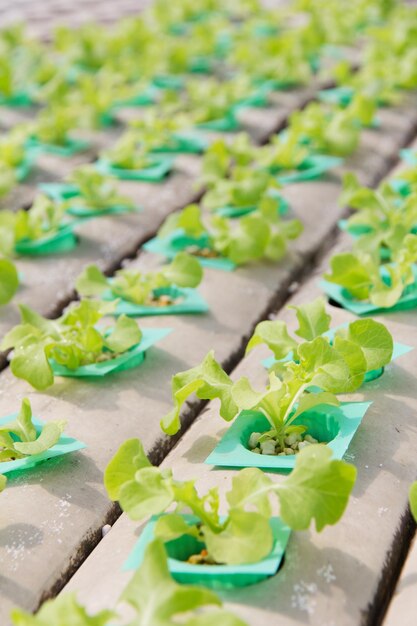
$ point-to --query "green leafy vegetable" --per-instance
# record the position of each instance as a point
(140, 287)
(21, 438)
(53, 124)
(245, 187)
(261, 235)
(284, 59)
(321, 495)
(364, 278)
(95, 191)
(72, 341)
(370, 336)
(222, 156)
(335, 365)
(3, 482)
(382, 217)
(155, 598)
(9, 280)
(127, 154)
(413, 500)
(208, 100)
(208, 380)
(12, 147)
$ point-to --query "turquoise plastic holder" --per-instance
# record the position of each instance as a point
(71, 146)
(233, 212)
(128, 360)
(341, 296)
(159, 167)
(341, 96)
(64, 445)
(190, 302)
(334, 426)
(178, 241)
(312, 168)
(409, 156)
(213, 576)
(63, 240)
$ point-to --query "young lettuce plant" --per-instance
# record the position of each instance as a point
(260, 235)
(94, 95)
(43, 219)
(53, 124)
(283, 59)
(382, 216)
(3, 482)
(21, 438)
(9, 280)
(72, 340)
(222, 156)
(364, 278)
(142, 287)
(157, 129)
(95, 190)
(7, 179)
(333, 368)
(370, 336)
(283, 152)
(12, 147)
(209, 99)
(153, 598)
(246, 187)
(334, 132)
(128, 154)
(318, 489)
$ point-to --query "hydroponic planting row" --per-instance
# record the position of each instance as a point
(243, 183)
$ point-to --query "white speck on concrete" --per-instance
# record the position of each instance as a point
(106, 528)
(302, 597)
(327, 572)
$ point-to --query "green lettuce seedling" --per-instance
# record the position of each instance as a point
(7, 180)
(364, 278)
(3, 482)
(261, 235)
(284, 152)
(156, 129)
(9, 280)
(284, 59)
(94, 95)
(334, 368)
(334, 132)
(95, 190)
(53, 124)
(372, 338)
(12, 147)
(245, 187)
(128, 154)
(209, 99)
(43, 219)
(88, 47)
(222, 156)
(72, 340)
(141, 287)
(318, 489)
(382, 216)
(153, 598)
(21, 438)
